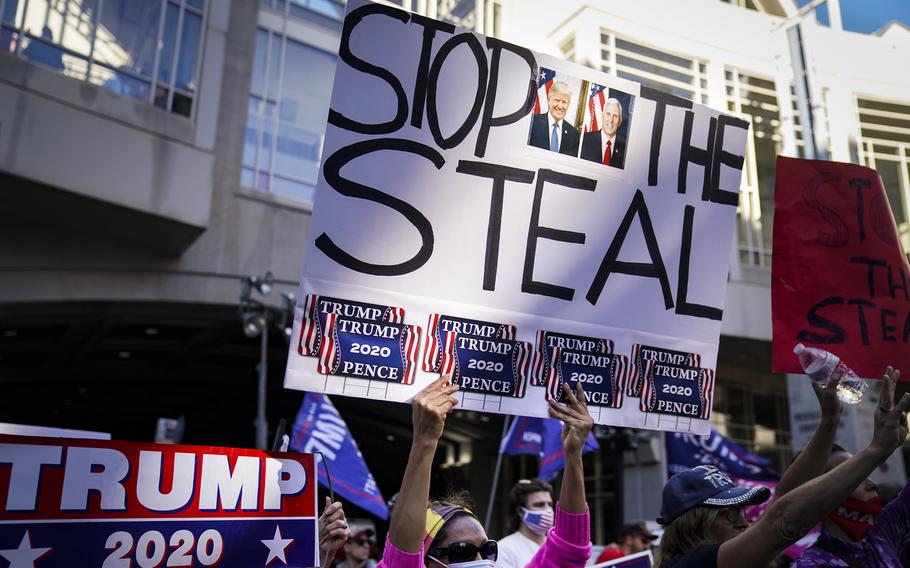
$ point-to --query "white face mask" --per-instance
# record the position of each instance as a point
(474, 564)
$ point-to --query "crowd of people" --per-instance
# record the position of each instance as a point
(702, 512)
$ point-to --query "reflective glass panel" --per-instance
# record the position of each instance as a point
(189, 49)
(127, 35)
(168, 41)
(304, 103)
(10, 10)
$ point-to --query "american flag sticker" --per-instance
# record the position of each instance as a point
(547, 340)
(316, 308)
(603, 376)
(642, 353)
(438, 325)
(597, 97)
(369, 349)
(487, 366)
(545, 78)
(677, 390)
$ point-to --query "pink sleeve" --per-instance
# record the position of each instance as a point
(568, 543)
(394, 558)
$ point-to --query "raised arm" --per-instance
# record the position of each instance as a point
(428, 414)
(812, 459)
(568, 543)
(577, 424)
(792, 516)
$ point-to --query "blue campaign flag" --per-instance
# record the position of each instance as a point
(541, 437)
(320, 428)
(685, 451)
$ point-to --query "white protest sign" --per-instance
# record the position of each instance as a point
(519, 221)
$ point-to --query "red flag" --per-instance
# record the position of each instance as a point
(839, 279)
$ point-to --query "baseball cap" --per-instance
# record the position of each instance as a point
(361, 529)
(636, 529)
(708, 486)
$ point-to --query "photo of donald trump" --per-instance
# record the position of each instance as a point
(551, 130)
(603, 145)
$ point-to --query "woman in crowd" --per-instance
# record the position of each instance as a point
(859, 532)
(703, 510)
(448, 534)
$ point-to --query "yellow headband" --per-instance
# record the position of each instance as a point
(437, 516)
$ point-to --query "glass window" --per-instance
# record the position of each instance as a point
(330, 8)
(257, 81)
(286, 116)
(127, 34)
(67, 24)
(755, 99)
(891, 178)
(114, 43)
(189, 48)
(168, 42)
(885, 147)
(567, 48)
(668, 72)
(10, 11)
(303, 8)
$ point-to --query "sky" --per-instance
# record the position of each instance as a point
(867, 16)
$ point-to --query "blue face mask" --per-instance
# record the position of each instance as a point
(538, 522)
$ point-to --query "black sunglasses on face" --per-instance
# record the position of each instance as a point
(463, 551)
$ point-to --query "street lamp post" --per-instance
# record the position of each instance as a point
(256, 316)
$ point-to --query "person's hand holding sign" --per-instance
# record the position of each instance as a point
(429, 409)
(333, 531)
(577, 424)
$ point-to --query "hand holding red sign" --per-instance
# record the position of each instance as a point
(839, 278)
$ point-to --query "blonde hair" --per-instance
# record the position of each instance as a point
(686, 533)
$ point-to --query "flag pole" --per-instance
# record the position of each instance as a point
(505, 430)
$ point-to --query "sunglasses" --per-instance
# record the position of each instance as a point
(361, 541)
(463, 551)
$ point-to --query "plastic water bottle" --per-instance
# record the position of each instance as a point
(820, 365)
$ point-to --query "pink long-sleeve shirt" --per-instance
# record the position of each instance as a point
(568, 545)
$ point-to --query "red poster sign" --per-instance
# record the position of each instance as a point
(839, 278)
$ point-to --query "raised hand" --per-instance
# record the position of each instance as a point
(430, 407)
(333, 531)
(830, 404)
(576, 420)
(890, 418)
